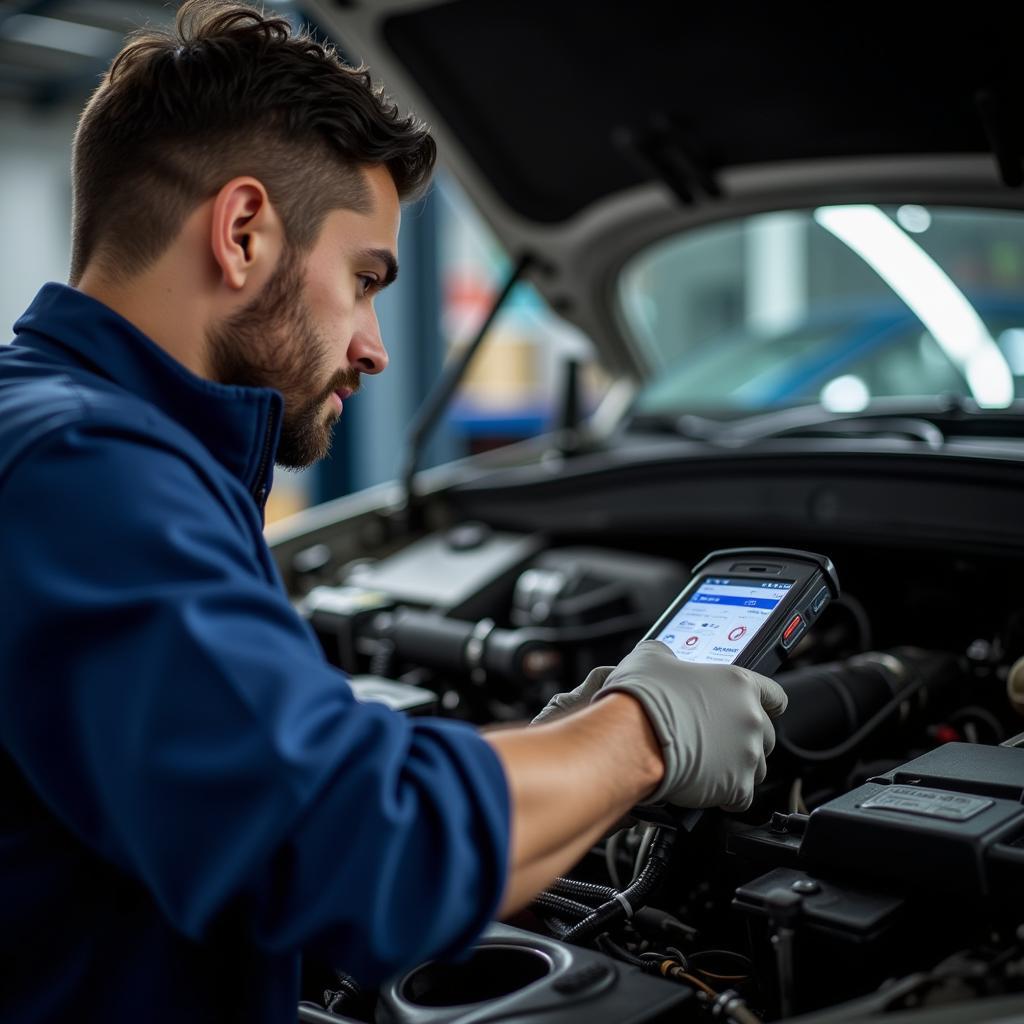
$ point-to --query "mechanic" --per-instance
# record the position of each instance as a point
(193, 798)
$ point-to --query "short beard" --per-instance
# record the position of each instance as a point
(273, 343)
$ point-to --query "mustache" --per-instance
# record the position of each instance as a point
(348, 379)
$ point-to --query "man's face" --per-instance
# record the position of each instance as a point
(313, 331)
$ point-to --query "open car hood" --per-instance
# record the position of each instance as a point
(583, 131)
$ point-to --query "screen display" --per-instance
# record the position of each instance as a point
(721, 617)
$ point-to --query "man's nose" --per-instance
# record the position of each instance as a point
(366, 351)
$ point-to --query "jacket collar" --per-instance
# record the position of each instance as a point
(239, 426)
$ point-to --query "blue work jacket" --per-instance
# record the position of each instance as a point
(191, 796)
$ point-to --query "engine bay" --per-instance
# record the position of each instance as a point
(881, 866)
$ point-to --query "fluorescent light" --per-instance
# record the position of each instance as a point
(915, 219)
(848, 393)
(930, 293)
(67, 36)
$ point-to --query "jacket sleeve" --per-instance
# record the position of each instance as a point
(168, 705)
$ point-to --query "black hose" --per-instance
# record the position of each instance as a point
(347, 991)
(850, 744)
(633, 897)
(607, 945)
(556, 926)
(582, 890)
(600, 920)
(849, 702)
(561, 905)
(860, 617)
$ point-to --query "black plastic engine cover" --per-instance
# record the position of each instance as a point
(930, 823)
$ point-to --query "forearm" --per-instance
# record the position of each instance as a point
(569, 782)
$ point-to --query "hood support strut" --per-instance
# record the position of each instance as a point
(430, 413)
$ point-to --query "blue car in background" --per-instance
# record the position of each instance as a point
(863, 351)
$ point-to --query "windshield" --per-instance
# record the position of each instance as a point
(837, 305)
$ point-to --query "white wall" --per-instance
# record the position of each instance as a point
(35, 205)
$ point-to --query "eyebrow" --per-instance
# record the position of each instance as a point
(387, 257)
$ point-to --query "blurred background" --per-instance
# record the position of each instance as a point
(52, 53)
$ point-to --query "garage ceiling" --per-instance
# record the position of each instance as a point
(53, 51)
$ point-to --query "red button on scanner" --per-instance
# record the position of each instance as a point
(792, 627)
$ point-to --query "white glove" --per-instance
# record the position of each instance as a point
(712, 722)
(565, 703)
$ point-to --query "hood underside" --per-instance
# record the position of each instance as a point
(583, 131)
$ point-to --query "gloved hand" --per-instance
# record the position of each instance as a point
(713, 723)
(565, 703)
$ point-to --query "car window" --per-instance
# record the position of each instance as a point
(775, 309)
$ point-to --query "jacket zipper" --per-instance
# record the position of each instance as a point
(260, 493)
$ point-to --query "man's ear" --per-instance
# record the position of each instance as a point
(246, 235)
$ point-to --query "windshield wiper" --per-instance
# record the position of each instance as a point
(926, 420)
(828, 424)
(915, 421)
(929, 420)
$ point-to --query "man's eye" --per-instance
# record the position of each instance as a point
(368, 282)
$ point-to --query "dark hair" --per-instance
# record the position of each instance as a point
(229, 91)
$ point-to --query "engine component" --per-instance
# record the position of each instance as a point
(412, 700)
(482, 650)
(617, 906)
(802, 925)
(858, 878)
(461, 573)
(575, 608)
(515, 975)
(834, 708)
(337, 615)
(578, 586)
(952, 818)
